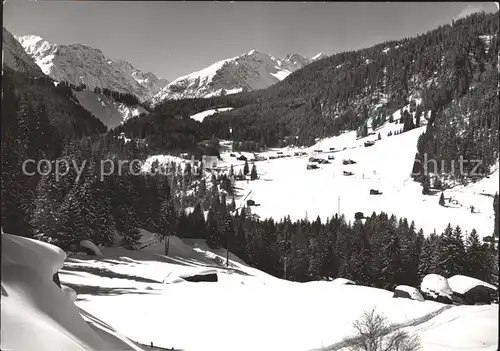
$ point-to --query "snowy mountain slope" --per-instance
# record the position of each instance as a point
(149, 80)
(251, 71)
(109, 111)
(36, 313)
(14, 56)
(151, 287)
(200, 116)
(81, 64)
(386, 166)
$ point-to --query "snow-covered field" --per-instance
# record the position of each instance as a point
(244, 310)
(202, 115)
(286, 187)
(131, 299)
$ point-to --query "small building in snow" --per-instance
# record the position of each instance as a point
(472, 291)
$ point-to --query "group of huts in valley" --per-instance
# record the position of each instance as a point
(458, 290)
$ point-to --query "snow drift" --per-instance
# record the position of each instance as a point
(36, 314)
(436, 286)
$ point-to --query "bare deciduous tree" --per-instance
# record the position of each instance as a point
(373, 333)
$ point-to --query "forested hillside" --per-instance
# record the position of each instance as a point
(37, 120)
(341, 92)
(466, 129)
(169, 127)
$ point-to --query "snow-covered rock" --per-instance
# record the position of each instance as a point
(436, 285)
(91, 246)
(251, 71)
(81, 64)
(343, 281)
(14, 56)
(413, 292)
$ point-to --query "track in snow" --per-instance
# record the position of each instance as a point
(342, 344)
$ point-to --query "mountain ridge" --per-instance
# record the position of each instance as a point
(80, 64)
(253, 70)
(15, 57)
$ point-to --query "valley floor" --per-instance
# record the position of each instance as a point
(285, 187)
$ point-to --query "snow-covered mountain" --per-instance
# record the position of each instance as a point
(148, 80)
(81, 64)
(251, 71)
(14, 56)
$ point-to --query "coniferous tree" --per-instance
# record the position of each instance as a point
(427, 261)
(169, 220)
(450, 255)
(245, 168)
(253, 174)
(426, 184)
(198, 222)
(476, 264)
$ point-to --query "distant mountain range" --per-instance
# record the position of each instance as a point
(251, 71)
(81, 64)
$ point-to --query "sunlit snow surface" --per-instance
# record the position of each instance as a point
(142, 295)
(36, 314)
(286, 187)
(130, 298)
(204, 114)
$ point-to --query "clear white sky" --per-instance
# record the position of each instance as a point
(172, 39)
